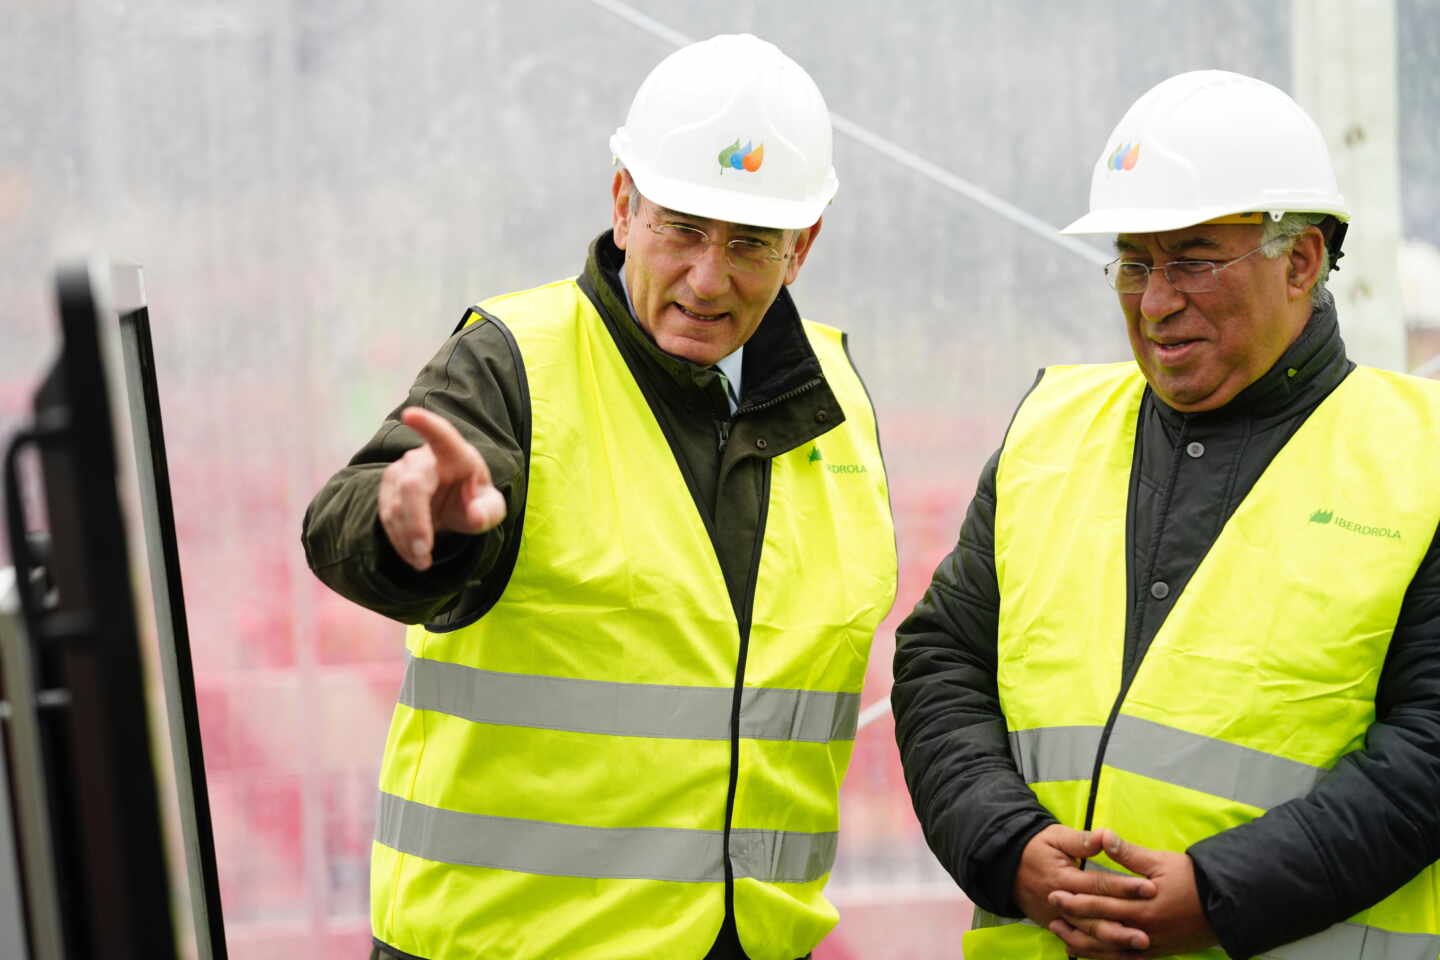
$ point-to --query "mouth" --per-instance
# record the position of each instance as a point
(699, 317)
(1173, 351)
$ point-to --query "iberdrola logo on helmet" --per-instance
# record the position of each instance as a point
(735, 158)
(1125, 156)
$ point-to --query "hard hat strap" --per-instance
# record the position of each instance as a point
(1333, 230)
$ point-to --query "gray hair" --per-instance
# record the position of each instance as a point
(1278, 236)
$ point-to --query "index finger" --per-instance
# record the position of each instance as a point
(1106, 884)
(1075, 844)
(1114, 944)
(449, 447)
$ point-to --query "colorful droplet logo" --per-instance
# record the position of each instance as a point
(735, 157)
(1125, 157)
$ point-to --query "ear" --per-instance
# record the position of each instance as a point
(803, 242)
(621, 189)
(1304, 261)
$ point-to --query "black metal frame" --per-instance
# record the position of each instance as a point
(103, 841)
(154, 477)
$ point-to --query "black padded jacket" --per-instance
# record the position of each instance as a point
(1363, 831)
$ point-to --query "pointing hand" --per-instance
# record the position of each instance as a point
(443, 485)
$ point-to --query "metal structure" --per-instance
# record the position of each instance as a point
(94, 660)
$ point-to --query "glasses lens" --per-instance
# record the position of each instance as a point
(680, 236)
(1191, 276)
(1127, 276)
(751, 255)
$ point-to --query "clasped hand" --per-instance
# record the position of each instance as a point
(1111, 916)
(442, 485)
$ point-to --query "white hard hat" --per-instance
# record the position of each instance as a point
(1210, 145)
(731, 129)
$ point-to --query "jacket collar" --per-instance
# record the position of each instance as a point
(1304, 375)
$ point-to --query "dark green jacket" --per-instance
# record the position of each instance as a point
(477, 382)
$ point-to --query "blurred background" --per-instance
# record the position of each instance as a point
(316, 189)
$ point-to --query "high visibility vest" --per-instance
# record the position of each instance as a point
(557, 774)
(1264, 673)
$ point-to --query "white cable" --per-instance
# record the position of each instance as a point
(872, 713)
(653, 27)
(1429, 368)
(895, 152)
(965, 188)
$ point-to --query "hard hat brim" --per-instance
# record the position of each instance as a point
(733, 206)
(1139, 220)
(1159, 219)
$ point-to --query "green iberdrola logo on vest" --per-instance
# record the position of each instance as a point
(816, 457)
(1328, 516)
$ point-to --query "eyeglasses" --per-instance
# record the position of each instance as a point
(748, 254)
(1187, 276)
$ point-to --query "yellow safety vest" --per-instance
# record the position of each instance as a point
(1264, 673)
(556, 775)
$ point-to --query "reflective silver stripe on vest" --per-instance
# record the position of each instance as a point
(1164, 753)
(566, 850)
(1212, 766)
(1055, 753)
(1220, 769)
(1355, 941)
(1343, 941)
(777, 856)
(983, 918)
(626, 709)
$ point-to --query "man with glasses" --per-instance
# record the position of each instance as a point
(641, 594)
(1176, 690)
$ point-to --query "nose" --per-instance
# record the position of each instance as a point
(1160, 298)
(709, 274)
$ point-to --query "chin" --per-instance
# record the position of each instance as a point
(701, 353)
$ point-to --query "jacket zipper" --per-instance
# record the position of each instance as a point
(744, 625)
(781, 398)
(722, 434)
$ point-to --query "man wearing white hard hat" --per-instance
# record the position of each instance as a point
(1177, 691)
(639, 524)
